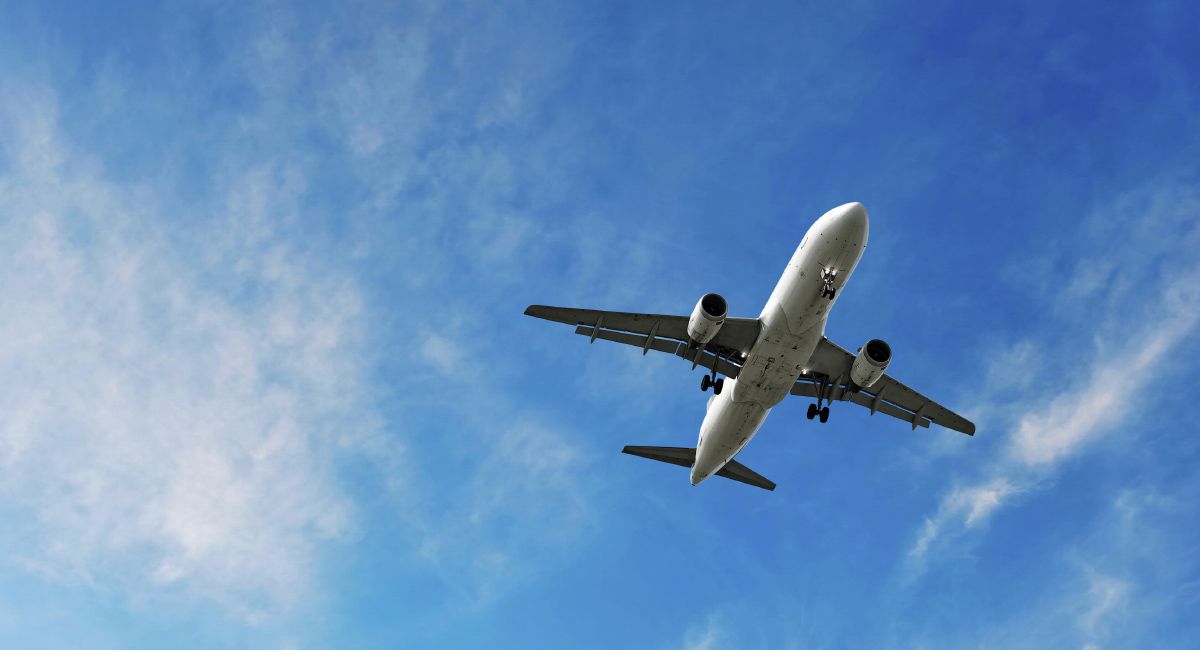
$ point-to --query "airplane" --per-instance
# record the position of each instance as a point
(782, 352)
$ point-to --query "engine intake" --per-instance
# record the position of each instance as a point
(870, 364)
(707, 318)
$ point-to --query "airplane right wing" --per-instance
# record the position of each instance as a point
(829, 376)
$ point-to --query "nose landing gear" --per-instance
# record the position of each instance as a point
(828, 291)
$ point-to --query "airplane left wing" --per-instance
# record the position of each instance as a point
(659, 332)
(829, 376)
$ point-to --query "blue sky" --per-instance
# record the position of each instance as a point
(265, 380)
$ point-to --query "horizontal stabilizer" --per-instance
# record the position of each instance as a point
(740, 472)
(686, 457)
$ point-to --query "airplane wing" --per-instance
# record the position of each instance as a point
(829, 374)
(660, 332)
(727, 350)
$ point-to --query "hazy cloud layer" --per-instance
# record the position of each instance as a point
(156, 429)
(191, 375)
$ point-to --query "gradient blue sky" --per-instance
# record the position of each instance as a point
(265, 381)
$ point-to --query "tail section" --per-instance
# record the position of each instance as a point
(686, 457)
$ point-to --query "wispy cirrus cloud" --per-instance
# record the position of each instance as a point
(1135, 302)
(159, 430)
(706, 637)
(1106, 599)
(192, 373)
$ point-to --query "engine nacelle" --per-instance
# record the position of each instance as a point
(870, 364)
(707, 318)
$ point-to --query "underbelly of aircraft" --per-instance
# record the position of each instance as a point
(774, 365)
(728, 426)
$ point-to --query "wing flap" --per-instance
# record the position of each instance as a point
(660, 344)
(708, 361)
(669, 346)
(866, 400)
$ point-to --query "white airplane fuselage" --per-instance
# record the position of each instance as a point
(793, 322)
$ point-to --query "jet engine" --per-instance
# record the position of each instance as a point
(707, 318)
(870, 364)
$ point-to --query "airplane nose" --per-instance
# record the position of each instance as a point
(853, 215)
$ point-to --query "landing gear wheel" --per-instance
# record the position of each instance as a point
(718, 385)
(832, 293)
(812, 411)
(824, 415)
(705, 383)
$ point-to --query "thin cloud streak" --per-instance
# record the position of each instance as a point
(1072, 419)
(1118, 384)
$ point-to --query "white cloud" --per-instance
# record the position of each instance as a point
(1106, 600)
(1151, 241)
(707, 638)
(1107, 397)
(443, 353)
(963, 508)
(185, 376)
(159, 431)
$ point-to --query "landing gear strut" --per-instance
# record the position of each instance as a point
(707, 380)
(816, 410)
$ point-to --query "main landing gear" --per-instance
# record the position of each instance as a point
(717, 385)
(815, 410)
(710, 380)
